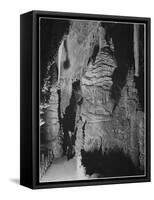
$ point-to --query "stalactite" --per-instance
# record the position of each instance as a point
(61, 54)
(136, 48)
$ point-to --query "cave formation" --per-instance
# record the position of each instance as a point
(94, 107)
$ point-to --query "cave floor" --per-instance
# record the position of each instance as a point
(62, 170)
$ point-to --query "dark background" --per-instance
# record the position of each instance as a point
(51, 33)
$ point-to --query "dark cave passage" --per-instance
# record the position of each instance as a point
(109, 164)
(68, 122)
(122, 37)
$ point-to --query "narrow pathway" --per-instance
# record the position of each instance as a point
(63, 170)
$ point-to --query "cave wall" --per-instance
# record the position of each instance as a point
(98, 103)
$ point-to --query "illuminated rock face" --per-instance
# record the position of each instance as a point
(53, 125)
(85, 114)
(97, 105)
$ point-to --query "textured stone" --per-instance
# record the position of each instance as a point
(101, 121)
